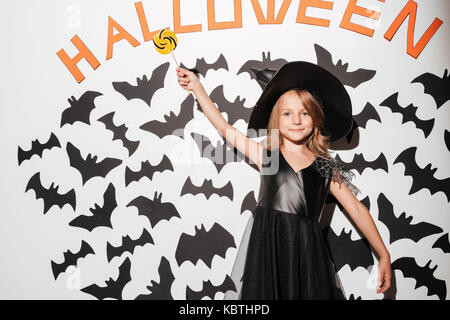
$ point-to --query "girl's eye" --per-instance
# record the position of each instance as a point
(286, 113)
(305, 113)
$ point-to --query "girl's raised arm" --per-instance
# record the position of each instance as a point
(251, 149)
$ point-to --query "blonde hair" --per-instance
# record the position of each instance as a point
(316, 141)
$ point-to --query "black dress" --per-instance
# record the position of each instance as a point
(283, 253)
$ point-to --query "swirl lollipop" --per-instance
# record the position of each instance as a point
(165, 42)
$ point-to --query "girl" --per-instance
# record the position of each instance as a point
(283, 253)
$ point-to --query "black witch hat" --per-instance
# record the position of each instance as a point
(324, 86)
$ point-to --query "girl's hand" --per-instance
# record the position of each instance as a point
(384, 274)
(187, 79)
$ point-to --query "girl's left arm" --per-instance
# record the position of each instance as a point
(362, 218)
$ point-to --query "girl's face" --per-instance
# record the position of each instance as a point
(295, 122)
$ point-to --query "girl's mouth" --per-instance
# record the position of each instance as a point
(295, 129)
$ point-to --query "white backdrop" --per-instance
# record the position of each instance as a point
(37, 87)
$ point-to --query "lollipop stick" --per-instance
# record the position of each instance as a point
(178, 67)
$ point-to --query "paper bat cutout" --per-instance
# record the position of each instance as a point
(101, 216)
(90, 168)
(235, 110)
(339, 70)
(210, 290)
(204, 245)
(262, 70)
(360, 164)
(80, 110)
(174, 124)
(408, 114)
(249, 202)
(422, 178)
(220, 155)
(443, 243)
(401, 227)
(70, 259)
(113, 288)
(119, 132)
(207, 189)
(128, 245)
(202, 67)
(37, 148)
(423, 276)
(345, 251)
(50, 196)
(435, 86)
(154, 210)
(147, 170)
(161, 290)
(447, 139)
(360, 120)
(352, 297)
(145, 89)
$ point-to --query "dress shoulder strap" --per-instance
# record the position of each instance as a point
(335, 170)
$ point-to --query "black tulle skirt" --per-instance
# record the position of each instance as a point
(286, 257)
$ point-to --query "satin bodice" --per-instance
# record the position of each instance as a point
(302, 193)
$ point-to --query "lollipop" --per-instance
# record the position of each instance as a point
(165, 42)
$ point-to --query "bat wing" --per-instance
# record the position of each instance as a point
(422, 178)
(80, 110)
(344, 250)
(209, 290)
(401, 227)
(113, 288)
(249, 202)
(204, 245)
(174, 124)
(353, 79)
(423, 276)
(435, 86)
(443, 243)
(37, 148)
(161, 290)
(70, 259)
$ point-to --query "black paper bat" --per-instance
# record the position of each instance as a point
(352, 297)
(447, 139)
(210, 290)
(101, 216)
(262, 70)
(90, 168)
(207, 189)
(154, 210)
(202, 67)
(423, 276)
(147, 170)
(360, 120)
(113, 288)
(80, 110)
(443, 243)
(235, 110)
(128, 245)
(161, 290)
(408, 114)
(249, 202)
(422, 178)
(204, 245)
(50, 196)
(37, 148)
(360, 164)
(119, 132)
(174, 124)
(145, 89)
(435, 86)
(70, 259)
(345, 251)
(401, 227)
(220, 155)
(339, 70)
